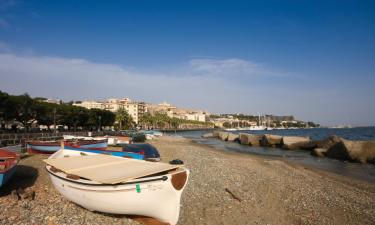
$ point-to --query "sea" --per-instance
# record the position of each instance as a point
(365, 172)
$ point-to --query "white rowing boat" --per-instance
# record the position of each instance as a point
(89, 182)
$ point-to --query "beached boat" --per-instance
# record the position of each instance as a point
(115, 140)
(143, 151)
(110, 151)
(119, 185)
(151, 134)
(74, 137)
(49, 147)
(149, 151)
(8, 163)
(155, 133)
(112, 140)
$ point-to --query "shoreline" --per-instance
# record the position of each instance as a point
(223, 188)
(289, 162)
(271, 191)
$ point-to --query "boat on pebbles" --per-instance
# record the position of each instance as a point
(49, 147)
(8, 164)
(117, 185)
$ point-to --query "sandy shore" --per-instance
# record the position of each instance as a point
(224, 188)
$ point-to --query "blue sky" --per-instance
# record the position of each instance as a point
(312, 59)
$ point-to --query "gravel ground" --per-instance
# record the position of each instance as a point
(268, 191)
(224, 188)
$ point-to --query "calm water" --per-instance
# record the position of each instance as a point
(359, 171)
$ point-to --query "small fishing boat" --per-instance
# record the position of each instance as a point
(8, 163)
(119, 185)
(49, 147)
(110, 151)
(115, 140)
(74, 137)
(150, 152)
(154, 133)
(143, 151)
(151, 134)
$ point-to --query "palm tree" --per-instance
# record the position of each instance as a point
(124, 119)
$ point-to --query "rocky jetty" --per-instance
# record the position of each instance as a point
(270, 140)
(294, 142)
(215, 133)
(332, 147)
(208, 135)
(250, 139)
(357, 151)
(223, 135)
(232, 137)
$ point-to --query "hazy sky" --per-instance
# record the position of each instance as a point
(312, 59)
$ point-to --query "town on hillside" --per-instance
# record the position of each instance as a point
(25, 112)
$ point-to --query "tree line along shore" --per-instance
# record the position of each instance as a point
(22, 112)
(332, 147)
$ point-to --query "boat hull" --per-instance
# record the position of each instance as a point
(97, 146)
(156, 199)
(50, 148)
(5, 177)
(8, 165)
(42, 149)
(154, 196)
(109, 152)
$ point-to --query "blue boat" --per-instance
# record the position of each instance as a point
(109, 152)
(49, 147)
(8, 164)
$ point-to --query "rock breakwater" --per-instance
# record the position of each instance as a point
(332, 147)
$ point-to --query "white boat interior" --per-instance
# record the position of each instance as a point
(149, 189)
(108, 169)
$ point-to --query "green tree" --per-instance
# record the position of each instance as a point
(175, 123)
(94, 119)
(45, 113)
(4, 99)
(108, 118)
(22, 109)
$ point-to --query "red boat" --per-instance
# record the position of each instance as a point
(8, 163)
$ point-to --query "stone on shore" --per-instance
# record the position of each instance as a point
(319, 152)
(223, 135)
(320, 147)
(250, 139)
(294, 142)
(215, 133)
(358, 151)
(208, 135)
(270, 140)
(328, 142)
(232, 137)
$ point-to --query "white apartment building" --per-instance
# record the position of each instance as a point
(90, 104)
(192, 116)
(54, 101)
(135, 109)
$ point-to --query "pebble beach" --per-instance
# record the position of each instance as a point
(223, 188)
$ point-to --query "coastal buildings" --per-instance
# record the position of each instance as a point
(230, 122)
(89, 104)
(54, 101)
(134, 108)
(174, 112)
